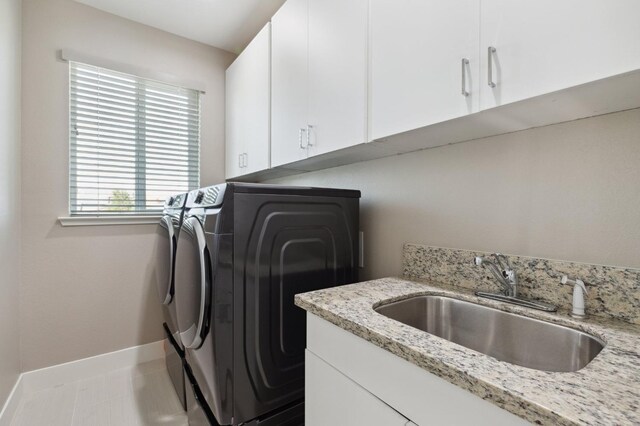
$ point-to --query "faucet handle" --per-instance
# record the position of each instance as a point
(510, 274)
(478, 260)
(502, 261)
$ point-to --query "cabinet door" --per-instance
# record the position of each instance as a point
(333, 399)
(247, 108)
(234, 120)
(289, 71)
(547, 45)
(417, 52)
(337, 74)
(258, 97)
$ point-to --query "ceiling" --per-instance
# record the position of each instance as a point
(226, 24)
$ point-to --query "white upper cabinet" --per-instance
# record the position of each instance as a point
(424, 55)
(414, 74)
(289, 89)
(247, 108)
(319, 78)
(546, 45)
(337, 74)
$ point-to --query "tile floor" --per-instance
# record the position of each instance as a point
(142, 395)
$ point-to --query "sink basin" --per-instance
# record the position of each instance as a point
(508, 337)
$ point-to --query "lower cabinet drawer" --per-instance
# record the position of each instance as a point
(331, 398)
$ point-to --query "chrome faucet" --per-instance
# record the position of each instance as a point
(502, 270)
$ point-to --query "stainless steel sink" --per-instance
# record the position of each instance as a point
(508, 337)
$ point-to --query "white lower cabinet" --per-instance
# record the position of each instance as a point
(331, 398)
(350, 381)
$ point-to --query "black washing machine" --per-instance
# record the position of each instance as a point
(243, 252)
(167, 240)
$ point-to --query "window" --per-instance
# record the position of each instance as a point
(133, 142)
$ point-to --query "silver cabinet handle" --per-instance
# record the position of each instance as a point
(465, 62)
(243, 160)
(302, 129)
(309, 127)
(490, 51)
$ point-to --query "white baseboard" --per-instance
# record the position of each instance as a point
(36, 380)
(48, 377)
(12, 403)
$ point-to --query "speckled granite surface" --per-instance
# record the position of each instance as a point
(613, 292)
(606, 391)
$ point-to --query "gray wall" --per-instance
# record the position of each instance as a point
(89, 290)
(569, 191)
(9, 194)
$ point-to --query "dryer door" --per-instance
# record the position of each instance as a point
(192, 283)
(165, 249)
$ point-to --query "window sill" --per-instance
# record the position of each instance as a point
(109, 220)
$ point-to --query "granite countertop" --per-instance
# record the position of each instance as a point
(606, 391)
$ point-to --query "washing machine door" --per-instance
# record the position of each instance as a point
(192, 283)
(165, 250)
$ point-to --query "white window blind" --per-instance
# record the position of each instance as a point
(133, 142)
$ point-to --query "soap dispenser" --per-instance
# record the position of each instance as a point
(579, 291)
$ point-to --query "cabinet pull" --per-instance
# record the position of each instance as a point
(490, 51)
(465, 62)
(302, 129)
(243, 160)
(309, 127)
